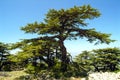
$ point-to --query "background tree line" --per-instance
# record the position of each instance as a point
(107, 59)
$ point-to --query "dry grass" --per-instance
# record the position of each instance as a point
(14, 75)
(11, 75)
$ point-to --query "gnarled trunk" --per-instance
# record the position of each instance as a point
(64, 55)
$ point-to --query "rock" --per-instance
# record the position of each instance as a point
(104, 76)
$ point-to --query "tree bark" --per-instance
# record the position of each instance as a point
(96, 68)
(64, 55)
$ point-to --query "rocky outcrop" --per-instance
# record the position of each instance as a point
(104, 76)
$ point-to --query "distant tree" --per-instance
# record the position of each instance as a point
(67, 24)
(85, 59)
(107, 59)
(4, 53)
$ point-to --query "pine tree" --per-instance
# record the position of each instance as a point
(4, 53)
(67, 24)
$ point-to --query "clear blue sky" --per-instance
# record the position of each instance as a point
(17, 13)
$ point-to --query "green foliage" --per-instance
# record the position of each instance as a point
(68, 22)
(109, 58)
(4, 60)
(85, 60)
(106, 59)
(31, 69)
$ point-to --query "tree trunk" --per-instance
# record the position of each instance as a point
(1, 62)
(64, 55)
(96, 68)
(34, 63)
(1, 67)
(112, 67)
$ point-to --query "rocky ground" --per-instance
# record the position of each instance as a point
(104, 76)
(100, 76)
(93, 76)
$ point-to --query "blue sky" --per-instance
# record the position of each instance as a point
(17, 13)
